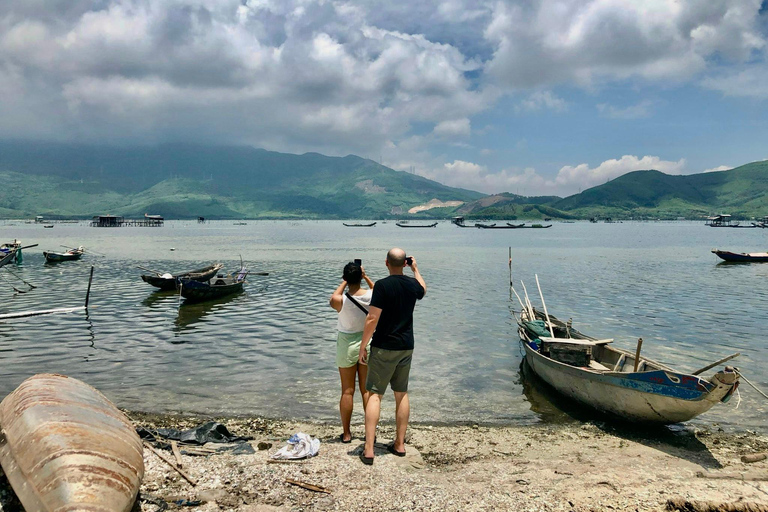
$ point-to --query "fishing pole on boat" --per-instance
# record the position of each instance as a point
(150, 270)
(84, 250)
(741, 375)
(716, 363)
(546, 314)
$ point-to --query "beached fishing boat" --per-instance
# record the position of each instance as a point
(70, 255)
(219, 286)
(401, 225)
(616, 381)
(359, 225)
(167, 281)
(65, 447)
(744, 257)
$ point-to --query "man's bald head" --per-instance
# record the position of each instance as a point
(396, 257)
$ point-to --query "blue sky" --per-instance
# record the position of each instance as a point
(533, 97)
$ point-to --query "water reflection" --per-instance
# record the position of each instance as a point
(193, 312)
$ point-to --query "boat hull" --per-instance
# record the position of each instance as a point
(170, 283)
(648, 397)
(65, 447)
(57, 256)
(742, 257)
(195, 291)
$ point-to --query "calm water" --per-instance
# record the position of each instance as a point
(271, 350)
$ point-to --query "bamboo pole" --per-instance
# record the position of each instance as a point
(88, 293)
(637, 352)
(162, 457)
(721, 361)
(531, 314)
(23, 314)
(546, 314)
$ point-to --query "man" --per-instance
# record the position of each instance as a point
(390, 315)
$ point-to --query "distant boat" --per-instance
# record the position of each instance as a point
(532, 226)
(66, 447)
(724, 221)
(70, 255)
(616, 381)
(48, 226)
(485, 226)
(240, 223)
(744, 257)
(459, 222)
(401, 225)
(219, 286)
(168, 281)
(359, 225)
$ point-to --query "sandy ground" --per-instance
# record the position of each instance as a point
(576, 467)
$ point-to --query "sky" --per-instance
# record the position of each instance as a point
(535, 97)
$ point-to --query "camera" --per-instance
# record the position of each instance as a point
(358, 262)
(409, 261)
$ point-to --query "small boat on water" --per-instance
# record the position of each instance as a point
(11, 252)
(359, 225)
(484, 226)
(616, 381)
(167, 281)
(66, 447)
(725, 221)
(532, 226)
(744, 257)
(219, 286)
(402, 225)
(70, 255)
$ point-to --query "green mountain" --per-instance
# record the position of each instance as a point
(742, 191)
(186, 181)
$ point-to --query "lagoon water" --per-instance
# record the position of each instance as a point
(271, 350)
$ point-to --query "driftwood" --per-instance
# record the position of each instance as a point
(754, 457)
(755, 477)
(311, 487)
(683, 505)
(176, 453)
(162, 457)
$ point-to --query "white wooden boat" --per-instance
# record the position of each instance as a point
(64, 447)
(604, 377)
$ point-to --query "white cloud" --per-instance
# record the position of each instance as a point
(590, 41)
(569, 179)
(639, 111)
(453, 128)
(719, 168)
(750, 82)
(543, 99)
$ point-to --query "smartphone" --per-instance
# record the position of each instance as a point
(358, 262)
(409, 261)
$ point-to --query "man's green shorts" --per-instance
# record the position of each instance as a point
(388, 367)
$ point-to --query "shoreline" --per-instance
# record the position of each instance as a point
(571, 467)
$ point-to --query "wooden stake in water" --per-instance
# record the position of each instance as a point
(88, 293)
(546, 314)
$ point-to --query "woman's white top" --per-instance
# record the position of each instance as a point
(351, 317)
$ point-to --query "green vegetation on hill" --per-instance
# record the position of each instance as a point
(184, 181)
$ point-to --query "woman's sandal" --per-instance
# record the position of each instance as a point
(341, 438)
(391, 449)
(368, 461)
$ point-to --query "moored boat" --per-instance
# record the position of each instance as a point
(219, 286)
(66, 447)
(70, 255)
(744, 257)
(359, 225)
(402, 225)
(167, 281)
(616, 381)
(532, 226)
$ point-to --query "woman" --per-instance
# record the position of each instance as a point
(350, 326)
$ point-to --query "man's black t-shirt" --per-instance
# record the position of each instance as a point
(396, 296)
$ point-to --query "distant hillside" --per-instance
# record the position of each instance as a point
(512, 206)
(742, 191)
(185, 181)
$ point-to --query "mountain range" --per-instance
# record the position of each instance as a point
(187, 181)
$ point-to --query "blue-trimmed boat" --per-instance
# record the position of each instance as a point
(606, 378)
(742, 257)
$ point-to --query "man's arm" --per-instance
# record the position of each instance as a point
(371, 321)
(417, 274)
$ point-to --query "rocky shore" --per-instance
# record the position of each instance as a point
(575, 467)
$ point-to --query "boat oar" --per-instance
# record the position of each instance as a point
(721, 361)
(27, 247)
